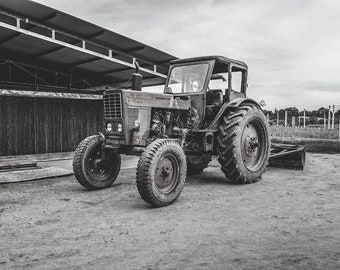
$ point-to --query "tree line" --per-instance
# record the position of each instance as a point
(313, 117)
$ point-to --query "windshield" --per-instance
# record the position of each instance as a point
(187, 79)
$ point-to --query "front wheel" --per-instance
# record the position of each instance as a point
(90, 170)
(161, 172)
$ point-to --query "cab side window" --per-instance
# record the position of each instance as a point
(236, 82)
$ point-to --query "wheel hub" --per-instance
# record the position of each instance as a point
(98, 168)
(252, 144)
(252, 139)
(97, 163)
(166, 174)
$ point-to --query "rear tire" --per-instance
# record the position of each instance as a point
(88, 168)
(243, 144)
(161, 172)
(196, 164)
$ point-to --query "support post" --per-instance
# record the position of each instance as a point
(304, 118)
(286, 113)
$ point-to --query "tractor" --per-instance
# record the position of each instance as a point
(203, 112)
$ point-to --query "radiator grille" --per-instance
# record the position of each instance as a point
(112, 106)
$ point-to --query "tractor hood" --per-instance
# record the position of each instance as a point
(131, 98)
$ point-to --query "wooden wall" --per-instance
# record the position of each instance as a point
(30, 125)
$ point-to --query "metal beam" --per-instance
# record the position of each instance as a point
(76, 48)
(113, 71)
(73, 43)
(116, 70)
(135, 49)
(47, 18)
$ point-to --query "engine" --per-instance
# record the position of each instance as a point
(169, 123)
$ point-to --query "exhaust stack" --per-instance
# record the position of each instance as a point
(137, 79)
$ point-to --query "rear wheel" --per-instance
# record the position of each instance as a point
(196, 164)
(161, 172)
(243, 144)
(90, 170)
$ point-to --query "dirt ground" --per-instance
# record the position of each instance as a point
(288, 220)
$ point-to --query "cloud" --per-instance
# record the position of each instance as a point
(291, 47)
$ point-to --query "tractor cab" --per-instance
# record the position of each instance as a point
(208, 82)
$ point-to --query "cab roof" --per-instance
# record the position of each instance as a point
(220, 62)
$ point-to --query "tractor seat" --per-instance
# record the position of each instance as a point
(214, 103)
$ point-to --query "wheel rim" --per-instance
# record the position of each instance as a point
(167, 173)
(254, 145)
(99, 170)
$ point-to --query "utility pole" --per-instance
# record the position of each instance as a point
(285, 118)
(304, 118)
(333, 116)
(329, 117)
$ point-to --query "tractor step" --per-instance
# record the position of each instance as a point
(287, 156)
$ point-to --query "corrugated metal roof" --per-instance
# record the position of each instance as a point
(42, 38)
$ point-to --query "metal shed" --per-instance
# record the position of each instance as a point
(53, 67)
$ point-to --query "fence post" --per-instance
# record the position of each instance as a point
(329, 117)
(333, 112)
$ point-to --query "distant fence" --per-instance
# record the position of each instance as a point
(43, 125)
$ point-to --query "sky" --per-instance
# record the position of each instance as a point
(292, 47)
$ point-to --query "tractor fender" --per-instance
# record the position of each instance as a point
(233, 104)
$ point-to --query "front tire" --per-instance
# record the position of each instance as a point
(161, 172)
(243, 144)
(90, 171)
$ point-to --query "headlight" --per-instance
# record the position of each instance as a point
(109, 127)
(119, 127)
(137, 123)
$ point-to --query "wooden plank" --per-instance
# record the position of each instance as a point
(21, 176)
(43, 125)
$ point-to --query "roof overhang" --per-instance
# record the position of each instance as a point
(58, 49)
